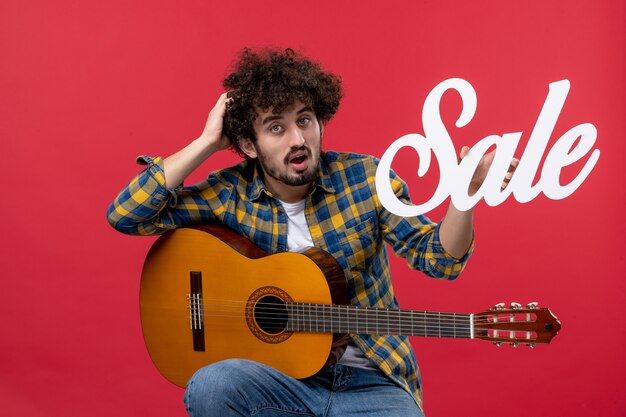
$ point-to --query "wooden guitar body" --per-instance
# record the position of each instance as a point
(228, 280)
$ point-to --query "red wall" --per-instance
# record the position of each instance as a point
(85, 86)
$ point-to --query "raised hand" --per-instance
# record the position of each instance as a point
(213, 134)
(483, 168)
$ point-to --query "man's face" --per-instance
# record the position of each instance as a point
(287, 146)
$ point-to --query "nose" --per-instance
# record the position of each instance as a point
(296, 137)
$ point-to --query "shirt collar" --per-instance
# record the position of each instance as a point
(323, 180)
(257, 186)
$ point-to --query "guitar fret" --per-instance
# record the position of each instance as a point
(452, 324)
(376, 321)
(399, 323)
(388, 329)
(439, 323)
(328, 321)
(305, 315)
(364, 311)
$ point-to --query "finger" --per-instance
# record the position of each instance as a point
(224, 98)
(230, 97)
(513, 165)
(507, 179)
(220, 105)
(464, 151)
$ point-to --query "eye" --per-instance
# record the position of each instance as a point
(276, 128)
(304, 121)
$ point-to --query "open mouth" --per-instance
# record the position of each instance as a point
(298, 159)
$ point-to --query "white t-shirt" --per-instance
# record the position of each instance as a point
(298, 235)
(298, 239)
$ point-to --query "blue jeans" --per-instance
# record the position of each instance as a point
(238, 387)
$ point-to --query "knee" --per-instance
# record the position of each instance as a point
(215, 388)
(220, 378)
(225, 379)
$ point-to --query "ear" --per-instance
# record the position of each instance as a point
(247, 147)
(322, 125)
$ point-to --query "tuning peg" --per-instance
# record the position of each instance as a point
(498, 306)
(532, 305)
(498, 344)
(514, 344)
(530, 345)
(516, 306)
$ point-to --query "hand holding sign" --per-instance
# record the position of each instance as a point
(483, 169)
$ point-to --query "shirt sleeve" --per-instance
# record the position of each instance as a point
(417, 239)
(145, 206)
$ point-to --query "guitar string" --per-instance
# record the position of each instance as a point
(358, 314)
(353, 319)
(311, 320)
(380, 327)
(445, 330)
(487, 313)
(321, 318)
(428, 330)
(235, 305)
(404, 318)
(393, 327)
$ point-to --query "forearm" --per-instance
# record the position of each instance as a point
(178, 166)
(457, 231)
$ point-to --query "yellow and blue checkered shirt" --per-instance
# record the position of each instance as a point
(345, 218)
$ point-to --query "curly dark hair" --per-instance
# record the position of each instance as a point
(275, 79)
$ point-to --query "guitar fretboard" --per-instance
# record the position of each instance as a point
(321, 318)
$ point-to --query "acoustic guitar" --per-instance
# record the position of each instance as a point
(208, 294)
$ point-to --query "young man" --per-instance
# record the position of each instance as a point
(288, 194)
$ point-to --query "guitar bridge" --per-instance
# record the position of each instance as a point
(196, 310)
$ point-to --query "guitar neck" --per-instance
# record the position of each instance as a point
(321, 318)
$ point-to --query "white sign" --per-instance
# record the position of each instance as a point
(455, 176)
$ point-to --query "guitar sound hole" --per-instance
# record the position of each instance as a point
(270, 314)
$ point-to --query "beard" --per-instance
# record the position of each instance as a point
(293, 179)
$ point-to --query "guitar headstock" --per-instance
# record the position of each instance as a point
(516, 325)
